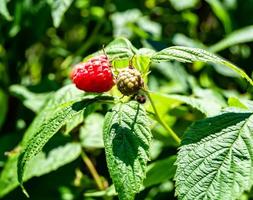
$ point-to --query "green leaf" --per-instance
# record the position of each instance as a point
(58, 8)
(109, 192)
(141, 63)
(4, 11)
(189, 55)
(182, 40)
(215, 159)
(4, 107)
(240, 103)
(204, 105)
(31, 100)
(127, 140)
(221, 13)
(160, 171)
(91, 134)
(120, 48)
(183, 4)
(66, 94)
(50, 121)
(40, 165)
(236, 37)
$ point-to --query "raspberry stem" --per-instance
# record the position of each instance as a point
(161, 121)
(93, 171)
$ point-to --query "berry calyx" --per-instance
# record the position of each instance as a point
(129, 81)
(95, 75)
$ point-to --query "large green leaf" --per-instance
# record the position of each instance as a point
(50, 121)
(127, 140)
(59, 7)
(39, 165)
(188, 55)
(215, 159)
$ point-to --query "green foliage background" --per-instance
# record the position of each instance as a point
(41, 40)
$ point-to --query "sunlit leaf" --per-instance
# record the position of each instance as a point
(215, 159)
(188, 55)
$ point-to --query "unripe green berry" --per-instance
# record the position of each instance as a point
(129, 81)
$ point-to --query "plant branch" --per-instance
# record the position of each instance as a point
(161, 121)
(93, 171)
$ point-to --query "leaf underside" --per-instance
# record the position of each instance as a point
(215, 159)
(127, 140)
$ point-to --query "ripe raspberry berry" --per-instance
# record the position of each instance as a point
(95, 75)
(129, 81)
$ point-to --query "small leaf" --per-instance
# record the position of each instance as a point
(215, 159)
(236, 37)
(240, 103)
(189, 55)
(160, 171)
(4, 11)
(120, 48)
(127, 140)
(183, 4)
(31, 100)
(59, 7)
(221, 13)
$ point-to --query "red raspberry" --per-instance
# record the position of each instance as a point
(95, 75)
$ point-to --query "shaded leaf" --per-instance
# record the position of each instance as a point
(40, 165)
(91, 134)
(31, 100)
(4, 107)
(160, 171)
(221, 13)
(127, 140)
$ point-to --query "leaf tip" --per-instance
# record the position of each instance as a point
(24, 191)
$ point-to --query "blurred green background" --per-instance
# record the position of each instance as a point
(41, 39)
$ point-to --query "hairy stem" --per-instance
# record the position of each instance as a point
(161, 121)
